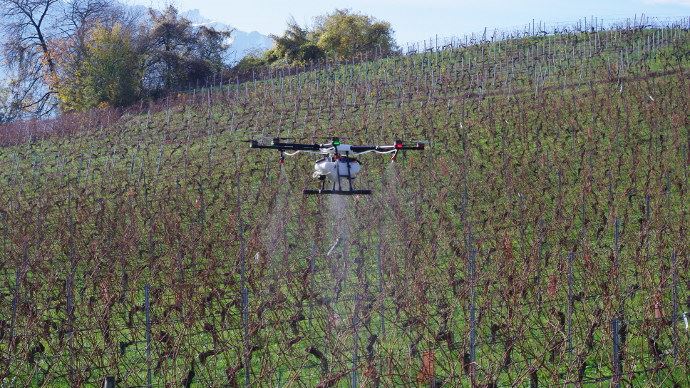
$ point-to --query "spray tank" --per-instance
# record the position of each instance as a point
(331, 167)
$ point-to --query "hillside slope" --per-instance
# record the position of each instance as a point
(549, 212)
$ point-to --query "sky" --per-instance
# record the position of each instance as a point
(417, 20)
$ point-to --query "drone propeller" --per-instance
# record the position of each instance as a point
(331, 138)
(262, 139)
(279, 139)
(278, 144)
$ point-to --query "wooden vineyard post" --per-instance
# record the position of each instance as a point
(379, 265)
(147, 309)
(381, 295)
(471, 251)
(69, 290)
(615, 330)
(471, 357)
(355, 345)
(674, 298)
(473, 320)
(616, 267)
(243, 287)
(615, 324)
(245, 318)
(15, 301)
(570, 302)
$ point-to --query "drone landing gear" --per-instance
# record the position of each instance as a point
(333, 191)
(337, 192)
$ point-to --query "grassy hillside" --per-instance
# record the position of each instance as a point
(550, 207)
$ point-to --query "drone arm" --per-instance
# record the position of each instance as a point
(285, 146)
(366, 149)
(385, 149)
(362, 149)
(373, 150)
(298, 151)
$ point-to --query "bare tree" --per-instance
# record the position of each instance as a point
(26, 26)
(28, 56)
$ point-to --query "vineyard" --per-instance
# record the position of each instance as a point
(540, 239)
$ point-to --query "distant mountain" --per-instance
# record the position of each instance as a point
(243, 42)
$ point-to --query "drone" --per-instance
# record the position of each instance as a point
(337, 167)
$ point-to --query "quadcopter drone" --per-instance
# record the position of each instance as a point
(337, 167)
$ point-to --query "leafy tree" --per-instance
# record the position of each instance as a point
(108, 75)
(341, 34)
(293, 46)
(211, 45)
(250, 61)
(179, 53)
(310, 52)
(345, 33)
